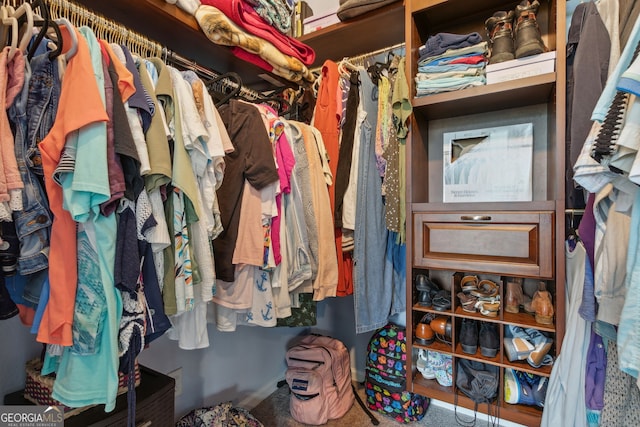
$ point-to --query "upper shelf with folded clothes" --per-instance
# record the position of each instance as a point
(180, 32)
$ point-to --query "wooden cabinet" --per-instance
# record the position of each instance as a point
(517, 243)
(496, 241)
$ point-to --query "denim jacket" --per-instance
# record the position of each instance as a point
(39, 97)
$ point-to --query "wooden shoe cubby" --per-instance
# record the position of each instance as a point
(493, 240)
(450, 281)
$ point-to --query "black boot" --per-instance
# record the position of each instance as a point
(528, 40)
(500, 31)
(469, 336)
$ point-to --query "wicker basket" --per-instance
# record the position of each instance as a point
(38, 388)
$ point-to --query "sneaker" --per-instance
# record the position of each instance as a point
(489, 339)
(424, 366)
(517, 390)
(442, 366)
(524, 388)
(469, 336)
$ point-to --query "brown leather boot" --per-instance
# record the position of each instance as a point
(514, 297)
(542, 305)
(527, 38)
(500, 31)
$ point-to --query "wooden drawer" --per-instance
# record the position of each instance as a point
(511, 243)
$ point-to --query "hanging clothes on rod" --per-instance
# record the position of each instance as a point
(134, 156)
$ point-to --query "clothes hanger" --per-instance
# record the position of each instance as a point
(24, 12)
(42, 21)
(74, 37)
(225, 78)
(9, 21)
(346, 67)
(47, 26)
(283, 106)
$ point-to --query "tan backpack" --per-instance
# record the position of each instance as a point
(319, 377)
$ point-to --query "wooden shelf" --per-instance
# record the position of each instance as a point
(523, 365)
(493, 97)
(377, 29)
(438, 242)
(418, 307)
(476, 316)
(526, 415)
(477, 356)
(449, 10)
(178, 31)
(435, 346)
(485, 206)
(526, 320)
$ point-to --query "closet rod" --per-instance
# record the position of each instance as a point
(360, 58)
(208, 73)
(137, 43)
(364, 56)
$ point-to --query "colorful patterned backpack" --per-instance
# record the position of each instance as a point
(385, 377)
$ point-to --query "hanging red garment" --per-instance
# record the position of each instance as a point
(327, 120)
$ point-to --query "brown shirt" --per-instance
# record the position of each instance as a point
(252, 160)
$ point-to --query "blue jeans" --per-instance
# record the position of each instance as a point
(39, 98)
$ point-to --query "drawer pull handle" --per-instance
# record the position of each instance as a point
(475, 218)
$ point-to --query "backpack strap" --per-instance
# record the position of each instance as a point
(372, 417)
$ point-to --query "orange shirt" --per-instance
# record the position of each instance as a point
(326, 119)
(80, 105)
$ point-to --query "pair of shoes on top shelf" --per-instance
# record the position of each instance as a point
(515, 34)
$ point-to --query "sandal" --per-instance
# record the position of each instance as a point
(442, 301)
(489, 308)
(469, 283)
(486, 288)
(468, 302)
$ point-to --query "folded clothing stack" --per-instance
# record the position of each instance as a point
(451, 62)
(236, 24)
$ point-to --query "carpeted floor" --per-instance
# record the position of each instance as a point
(274, 412)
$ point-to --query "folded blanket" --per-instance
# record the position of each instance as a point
(221, 30)
(245, 17)
(189, 6)
(275, 12)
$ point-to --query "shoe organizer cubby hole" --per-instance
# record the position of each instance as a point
(531, 409)
(460, 340)
(524, 365)
(529, 288)
(442, 280)
(457, 285)
(447, 17)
